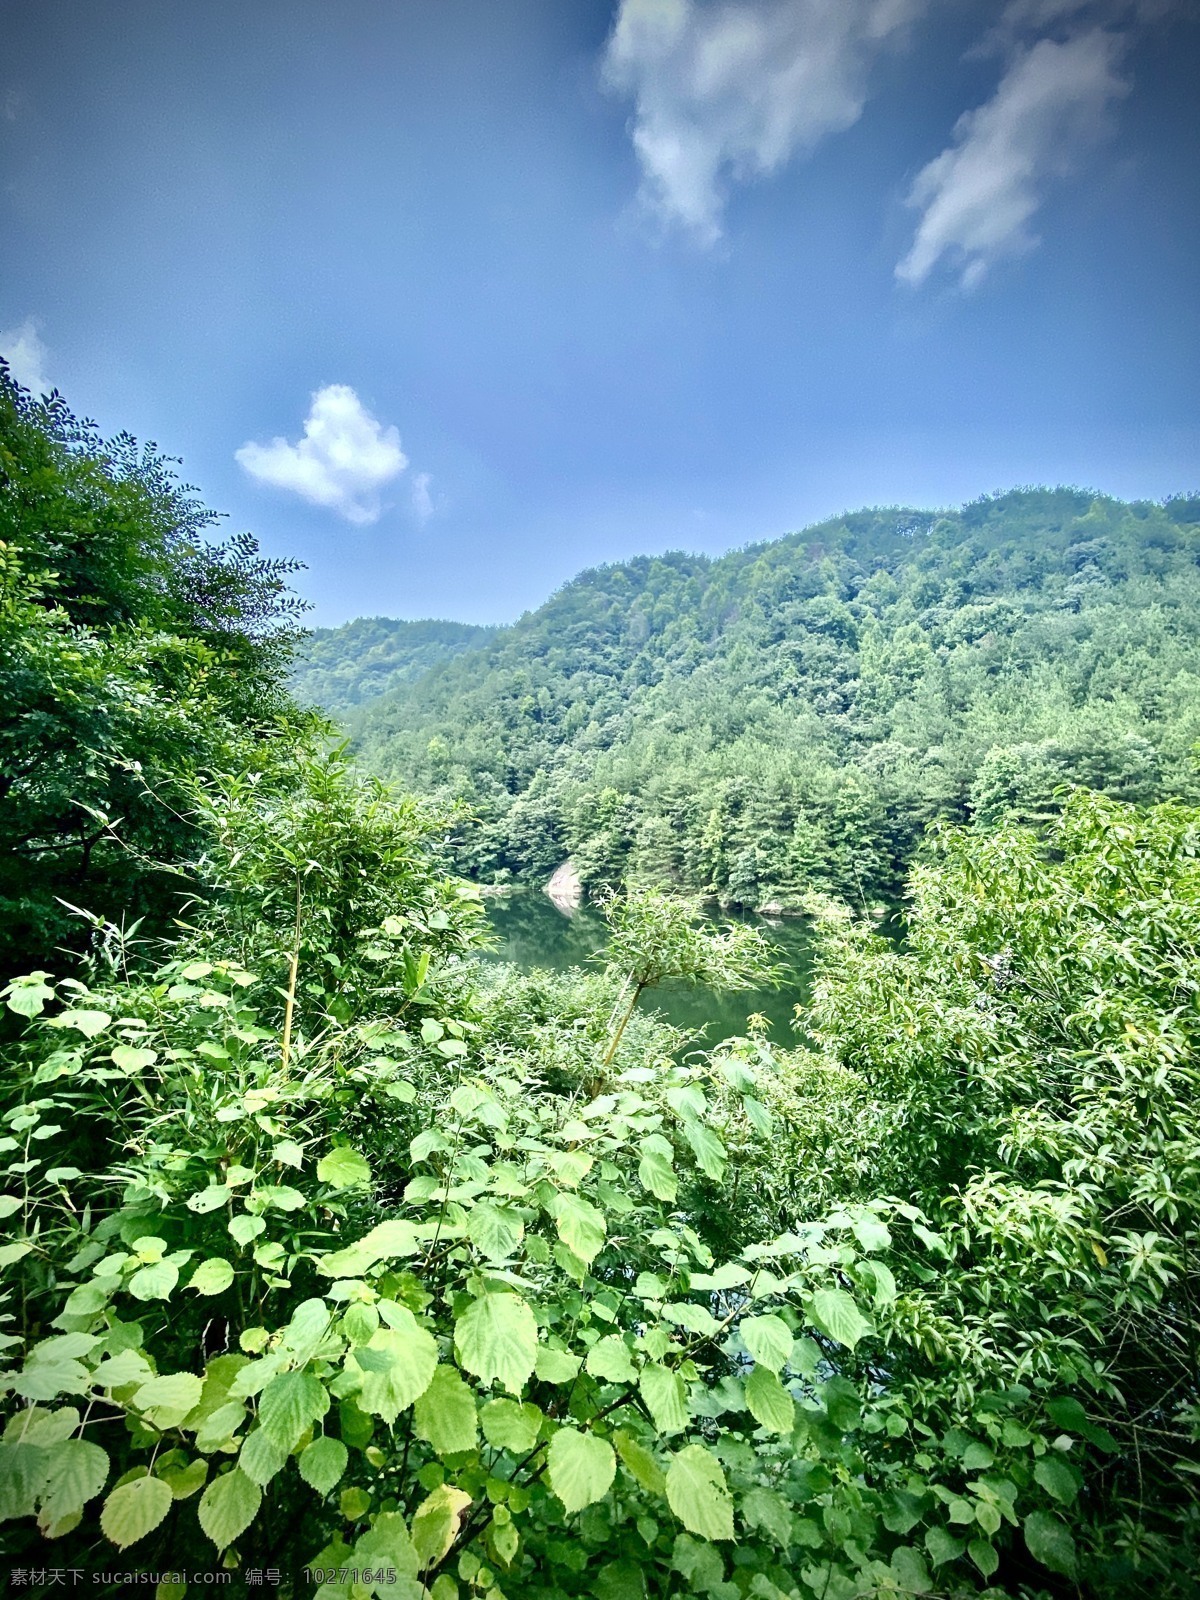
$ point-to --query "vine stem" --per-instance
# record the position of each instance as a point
(293, 975)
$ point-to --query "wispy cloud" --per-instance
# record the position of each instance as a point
(726, 92)
(422, 500)
(1062, 80)
(25, 353)
(343, 461)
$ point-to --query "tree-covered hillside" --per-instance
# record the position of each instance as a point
(340, 668)
(794, 714)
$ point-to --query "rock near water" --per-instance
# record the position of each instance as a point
(565, 888)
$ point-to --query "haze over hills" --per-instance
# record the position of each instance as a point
(342, 668)
(794, 714)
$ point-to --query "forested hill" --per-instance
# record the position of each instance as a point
(341, 668)
(794, 714)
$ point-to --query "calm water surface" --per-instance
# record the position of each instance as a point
(532, 932)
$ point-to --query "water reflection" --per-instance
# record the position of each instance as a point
(531, 932)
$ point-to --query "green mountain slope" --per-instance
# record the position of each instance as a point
(341, 668)
(794, 714)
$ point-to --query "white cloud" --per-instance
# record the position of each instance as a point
(25, 353)
(343, 461)
(732, 89)
(1044, 16)
(422, 500)
(978, 197)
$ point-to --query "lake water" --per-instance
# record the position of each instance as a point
(532, 932)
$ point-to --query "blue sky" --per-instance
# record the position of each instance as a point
(553, 282)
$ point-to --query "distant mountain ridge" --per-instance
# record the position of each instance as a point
(794, 714)
(342, 668)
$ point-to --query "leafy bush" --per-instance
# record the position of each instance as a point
(135, 653)
(389, 1301)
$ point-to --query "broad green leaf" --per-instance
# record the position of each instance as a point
(639, 1462)
(134, 1510)
(323, 1462)
(344, 1168)
(1050, 1542)
(386, 1241)
(307, 1330)
(870, 1231)
(387, 1548)
(768, 1339)
(10, 1203)
(89, 1023)
(496, 1338)
(696, 1319)
(836, 1313)
(261, 1458)
(27, 996)
(288, 1153)
(880, 1280)
(220, 1425)
(445, 1414)
(760, 1118)
(130, 1059)
(765, 1509)
(281, 1196)
(556, 1366)
(88, 1298)
(22, 1477)
(436, 1523)
(184, 1481)
(76, 1471)
(706, 1147)
(729, 1275)
(581, 1227)
(509, 1425)
(698, 1495)
(228, 1506)
(581, 1468)
(212, 1276)
(943, 1546)
(289, 1404)
(909, 1571)
(610, 1359)
(126, 1367)
(769, 1403)
(167, 1399)
(494, 1230)
(43, 1380)
(571, 1167)
(245, 1228)
(210, 1199)
(398, 1364)
(354, 1504)
(154, 1282)
(983, 1554)
(1057, 1478)
(665, 1397)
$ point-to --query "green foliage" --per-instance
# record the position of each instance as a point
(793, 715)
(134, 654)
(499, 1355)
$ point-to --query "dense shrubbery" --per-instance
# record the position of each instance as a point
(340, 1262)
(134, 654)
(332, 1247)
(793, 715)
